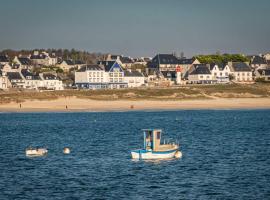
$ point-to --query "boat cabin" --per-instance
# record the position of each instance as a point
(152, 140)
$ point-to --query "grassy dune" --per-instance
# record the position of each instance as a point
(179, 93)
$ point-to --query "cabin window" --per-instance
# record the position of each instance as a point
(158, 135)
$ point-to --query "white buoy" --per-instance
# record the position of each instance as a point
(66, 150)
(178, 154)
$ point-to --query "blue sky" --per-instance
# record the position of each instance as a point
(137, 27)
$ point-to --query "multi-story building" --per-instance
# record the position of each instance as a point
(240, 71)
(200, 75)
(91, 77)
(220, 72)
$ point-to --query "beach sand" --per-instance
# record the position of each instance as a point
(74, 104)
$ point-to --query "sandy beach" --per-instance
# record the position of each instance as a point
(74, 104)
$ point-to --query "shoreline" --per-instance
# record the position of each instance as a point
(86, 105)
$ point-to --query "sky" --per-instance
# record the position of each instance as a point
(137, 27)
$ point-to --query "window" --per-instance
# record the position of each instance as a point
(158, 135)
(201, 76)
(220, 73)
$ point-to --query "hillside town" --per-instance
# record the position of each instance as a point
(47, 71)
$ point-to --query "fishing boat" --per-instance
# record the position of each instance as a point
(154, 149)
(33, 152)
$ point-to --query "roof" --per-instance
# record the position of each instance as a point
(241, 67)
(126, 60)
(186, 61)
(258, 60)
(4, 58)
(24, 61)
(28, 75)
(163, 59)
(221, 66)
(108, 64)
(50, 77)
(200, 69)
(169, 74)
(133, 74)
(40, 56)
(90, 68)
(265, 71)
(13, 75)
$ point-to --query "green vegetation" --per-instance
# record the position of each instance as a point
(222, 58)
(191, 92)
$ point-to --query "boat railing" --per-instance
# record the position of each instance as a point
(170, 141)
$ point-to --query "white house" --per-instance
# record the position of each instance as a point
(51, 82)
(43, 58)
(263, 74)
(200, 75)
(91, 77)
(258, 62)
(241, 71)
(67, 65)
(15, 80)
(23, 62)
(133, 78)
(3, 80)
(220, 72)
(115, 74)
(31, 81)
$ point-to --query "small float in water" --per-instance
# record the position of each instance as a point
(34, 152)
(154, 149)
(66, 150)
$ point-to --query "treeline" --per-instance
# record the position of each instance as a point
(64, 54)
(222, 58)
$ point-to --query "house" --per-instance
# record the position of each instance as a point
(15, 80)
(134, 78)
(200, 74)
(263, 74)
(142, 61)
(220, 72)
(91, 77)
(43, 58)
(163, 62)
(126, 62)
(3, 80)
(31, 81)
(240, 71)
(67, 65)
(258, 62)
(186, 63)
(115, 74)
(51, 82)
(23, 62)
(4, 59)
(267, 56)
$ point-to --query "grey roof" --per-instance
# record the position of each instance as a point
(163, 59)
(4, 58)
(40, 56)
(90, 68)
(126, 60)
(241, 67)
(107, 64)
(200, 69)
(28, 75)
(266, 72)
(24, 61)
(258, 60)
(221, 66)
(169, 74)
(50, 77)
(186, 61)
(14, 75)
(133, 74)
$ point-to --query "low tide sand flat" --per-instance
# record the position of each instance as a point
(76, 104)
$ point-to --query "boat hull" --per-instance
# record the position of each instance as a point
(148, 154)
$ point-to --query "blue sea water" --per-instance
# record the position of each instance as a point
(226, 155)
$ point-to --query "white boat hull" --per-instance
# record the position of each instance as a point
(144, 154)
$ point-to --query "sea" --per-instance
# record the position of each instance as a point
(225, 155)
